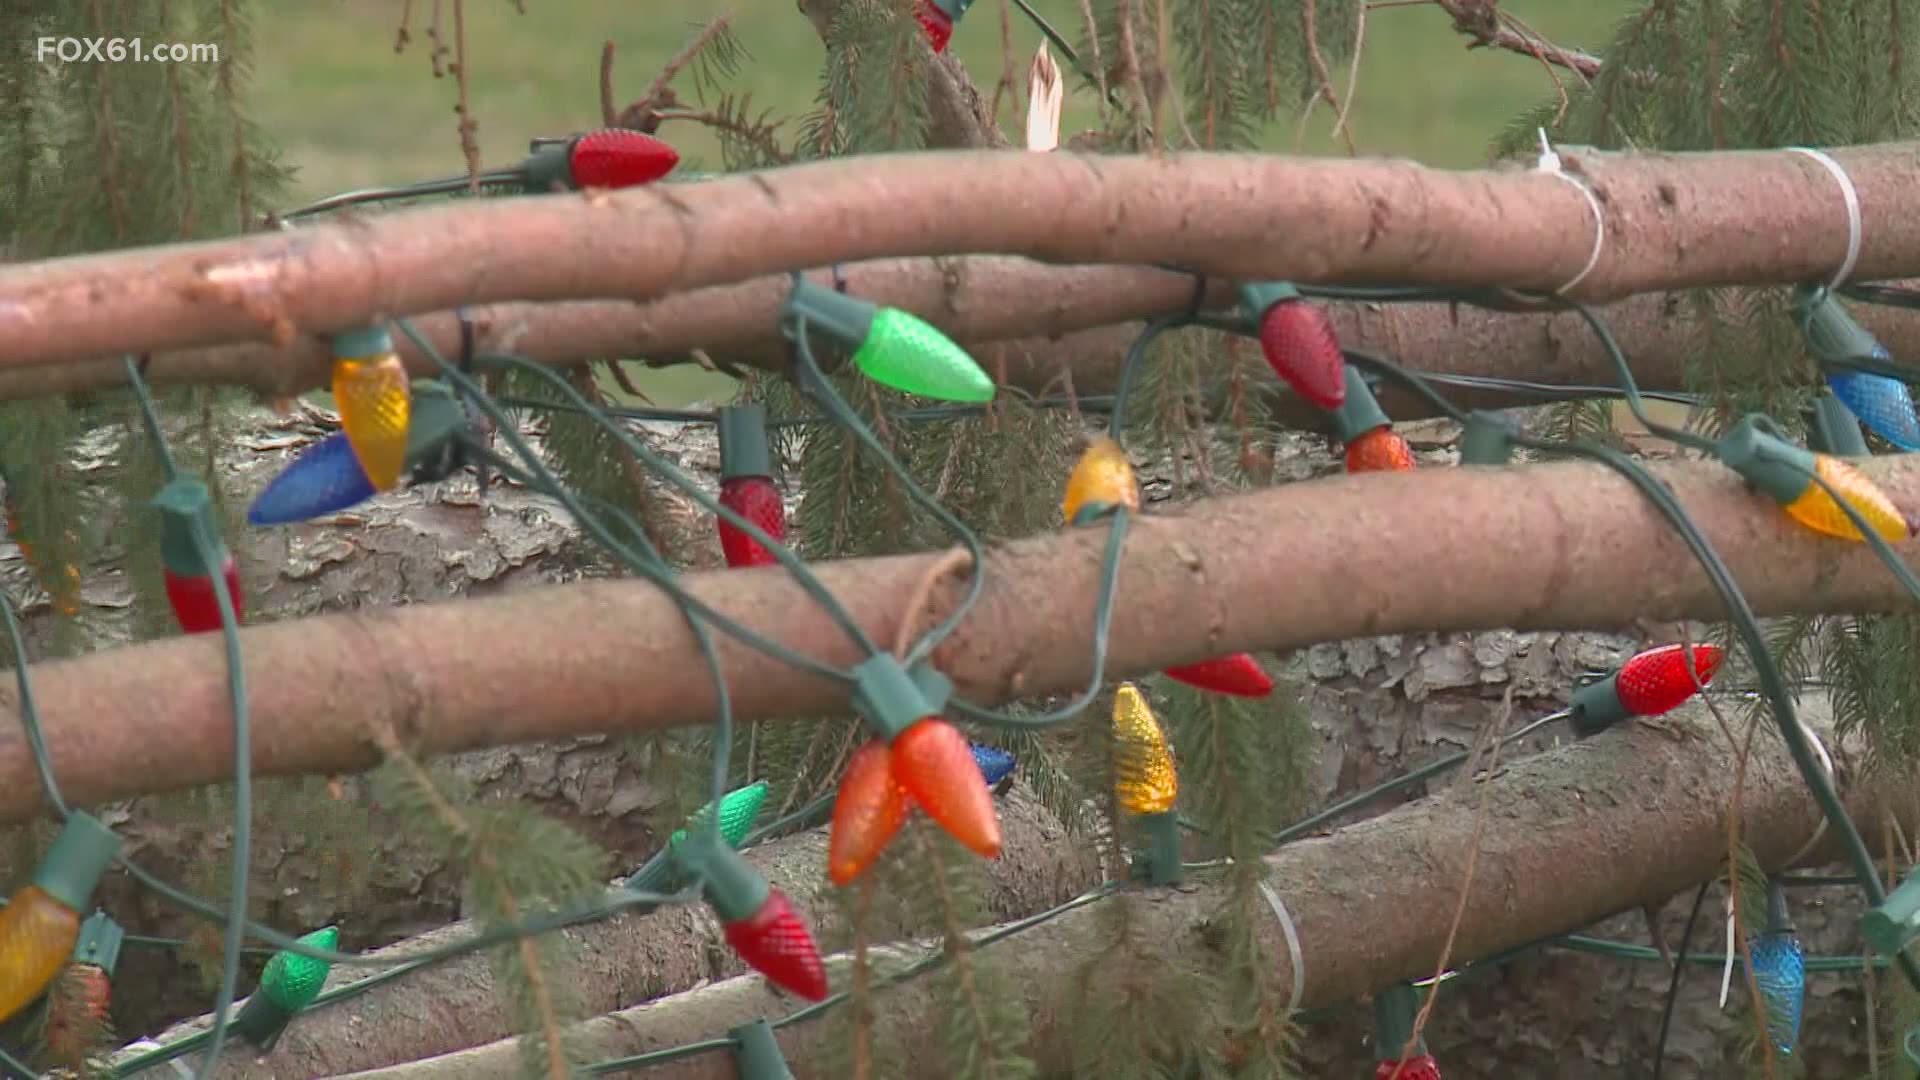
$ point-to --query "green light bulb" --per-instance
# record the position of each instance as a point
(739, 809)
(907, 354)
(291, 980)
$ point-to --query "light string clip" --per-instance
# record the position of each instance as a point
(1851, 196)
(1549, 163)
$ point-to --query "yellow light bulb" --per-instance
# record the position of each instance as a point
(37, 934)
(371, 392)
(1102, 475)
(1144, 777)
(1817, 511)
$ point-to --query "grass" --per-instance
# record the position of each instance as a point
(349, 111)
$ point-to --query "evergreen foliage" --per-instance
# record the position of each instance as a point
(108, 155)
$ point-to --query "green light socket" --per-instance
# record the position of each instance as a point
(846, 319)
(1160, 860)
(73, 865)
(1779, 919)
(733, 887)
(364, 342)
(1394, 1010)
(1832, 334)
(550, 169)
(99, 942)
(890, 698)
(436, 417)
(1596, 707)
(1360, 412)
(743, 442)
(184, 503)
(1257, 296)
(1487, 440)
(757, 1053)
(1894, 924)
(1833, 429)
(1768, 462)
(953, 8)
(1091, 512)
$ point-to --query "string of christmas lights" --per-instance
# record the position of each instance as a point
(918, 759)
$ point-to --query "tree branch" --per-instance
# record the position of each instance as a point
(1490, 27)
(1672, 221)
(1542, 547)
(1047, 320)
(625, 960)
(1644, 810)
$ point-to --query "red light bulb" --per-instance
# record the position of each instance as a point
(1656, 681)
(937, 24)
(775, 942)
(618, 158)
(756, 499)
(195, 604)
(1379, 450)
(1301, 346)
(1421, 1067)
(1239, 675)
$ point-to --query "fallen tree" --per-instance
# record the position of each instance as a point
(1672, 221)
(1040, 328)
(1372, 903)
(618, 962)
(1540, 547)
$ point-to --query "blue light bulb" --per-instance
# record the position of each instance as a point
(325, 478)
(1882, 403)
(994, 762)
(1780, 968)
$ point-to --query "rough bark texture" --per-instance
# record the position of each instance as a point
(1672, 221)
(1642, 806)
(1543, 546)
(1031, 324)
(627, 959)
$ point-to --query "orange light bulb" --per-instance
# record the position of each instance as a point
(868, 811)
(1379, 450)
(371, 390)
(1102, 475)
(933, 762)
(1817, 510)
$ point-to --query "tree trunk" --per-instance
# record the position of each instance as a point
(1571, 836)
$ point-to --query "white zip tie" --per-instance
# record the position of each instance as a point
(1279, 907)
(1852, 198)
(1726, 971)
(1826, 760)
(1549, 163)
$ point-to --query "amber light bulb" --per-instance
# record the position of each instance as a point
(41, 923)
(1102, 475)
(1379, 450)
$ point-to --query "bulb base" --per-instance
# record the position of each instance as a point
(1159, 860)
(1393, 1014)
(1895, 923)
(1768, 462)
(100, 941)
(364, 342)
(1360, 412)
(260, 1021)
(846, 319)
(186, 505)
(953, 9)
(734, 889)
(1833, 429)
(1596, 707)
(1487, 440)
(743, 442)
(549, 169)
(73, 865)
(891, 699)
(1257, 296)
(1832, 334)
(757, 1053)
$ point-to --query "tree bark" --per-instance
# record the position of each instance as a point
(1671, 221)
(1540, 547)
(1039, 325)
(622, 961)
(1570, 836)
